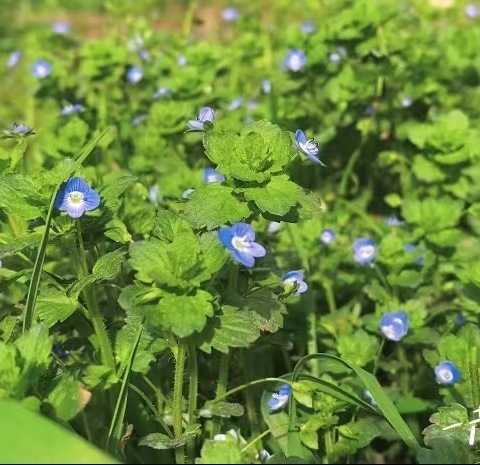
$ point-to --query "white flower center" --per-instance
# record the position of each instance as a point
(389, 332)
(446, 375)
(240, 244)
(367, 251)
(310, 147)
(75, 197)
(295, 62)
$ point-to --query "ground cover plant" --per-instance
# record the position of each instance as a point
(252, 237)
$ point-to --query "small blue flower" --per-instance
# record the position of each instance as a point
(223, 437)
(407, 101)
(230, 14)
(144, 55)
(295, 279)
(61, 27)
(206, 115)
(239, 240)
(252, 105)
(364, 250)
(273, 227)
(70, 109)
(447, 373)
(264, 455)
(211, 175)
(460, 319)
(307, 27)
(41, 69)
(266, 86)
(182, 60)
(154, 194)
(280, 399)
(307, 147)
(369, 110)
(410, 248)
(394, 221)
(77, 197)
(139, 119)
(162, 92)
(18, 130)
(327, 236)
(59, 352)
(394, 325)
(335, 57)
(472, 11)
(13, 59)
(235, 103)
(134, 74)
(295, 60)
(136, 43)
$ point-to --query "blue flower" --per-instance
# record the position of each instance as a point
(235, 103)
(472, 11)
(134, 74)
(295, 60)
(410, 248)
(364, 250)
(230, 14)
(273, 227)
(264, 455)
(211, 175)
(162, 92)
(460, 319)
(393, 221)
(407, 101)
(136, 43)
(154, 194)
(144, 55)
(447, 373)
(206, 115)
(394, 325)
(307, 27)
(77, 197)
(139, 119)
(13, 59)
(280, 399)
(327, 236)
(41, 69)
(186, 193)
(266, 86)
(182, 60)
(307, 147)
(60, 27)
(335, 57)
(239, 240)
(18, 130)
(252, 105)
(294, 279)
(59, 352)
(70, 109)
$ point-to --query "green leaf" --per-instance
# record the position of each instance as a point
(225, 409)
(9, 370)
(47, 441)
(278, 196)
(214, 205)
(162, 441)
(66, 398)
(183, 314)
(96, 375)
(169, 225)
(234, 327)
(54, 305)
(426, 171)
(20, 197)
(406, 278)
(216, 452)
(111, 194)
(358, 348)
(267, 309)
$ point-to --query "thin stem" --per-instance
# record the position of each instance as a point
(328, 446)
(249, 398)
(330, 296)
(257, 438)
(177, 408)
(382, 278)
(377, 358)
(221, 388)
(347, 172)
(192, 397)
(474, 379)
(106, 353)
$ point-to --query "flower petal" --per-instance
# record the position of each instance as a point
(243, 230)
(77, 184)
(226, 235)
(243, 257)
(300, 136)
(256, 250)
(195, 125)
(75, 210)
(91, 200)
(206, 114)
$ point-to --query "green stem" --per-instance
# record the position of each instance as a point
(330, 296)
(312, 343)
(221, 388)
(177, 408)
(192, 397)
(377, 358)
(95, 315)
(257, 438)
(248, 364)
(474, 379)
(347, 172)
(328, 446)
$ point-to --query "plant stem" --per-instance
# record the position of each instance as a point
(106, 353)
(249, 397)
(221, 388)
(192, 397)
(474, 379)
(330, 296)
(348, 171)
(177, 408)
(328, 446)
(377, 358)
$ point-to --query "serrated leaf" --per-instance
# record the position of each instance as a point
(66, 398)
(20, 197)
(54, 305)
(216, 452)
(161, 441)
(358, 348)
(278, 196)
(225, 409)
(183, 314)
(111, 194)
(214, 205)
